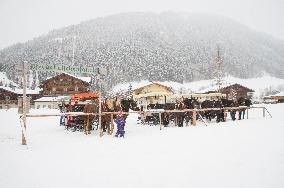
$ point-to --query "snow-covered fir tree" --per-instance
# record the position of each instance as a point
(162, 47)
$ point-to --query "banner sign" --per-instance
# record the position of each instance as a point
(62, 68)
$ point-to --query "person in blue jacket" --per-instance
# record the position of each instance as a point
(120, 122)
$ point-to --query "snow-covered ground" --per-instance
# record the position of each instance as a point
(240, 154)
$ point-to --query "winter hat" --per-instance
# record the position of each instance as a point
(119, 113)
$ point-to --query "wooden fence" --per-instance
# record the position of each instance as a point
(194, 113)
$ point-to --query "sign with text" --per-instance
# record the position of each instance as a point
(62, 68)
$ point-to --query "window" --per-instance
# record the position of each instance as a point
(43, 106)
(38, 106)
(65, 89)
(76, 88)
(49, 106)
(7, 98)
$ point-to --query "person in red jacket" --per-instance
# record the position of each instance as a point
(120, 122)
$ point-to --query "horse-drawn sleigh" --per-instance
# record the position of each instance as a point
(88, 105)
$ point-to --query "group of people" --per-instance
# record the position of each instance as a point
(69, 107)
(241, 111)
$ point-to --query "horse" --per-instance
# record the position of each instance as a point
(114, 105)
(190, 103)
(180, 115)
(106, 121)
(127, 104)
(209, 114)
(88, 119)
(168, 116)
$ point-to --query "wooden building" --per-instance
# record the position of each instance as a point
(236, 91)
(277, 98)
(152, 87)
(9, 96)
(65, 84)
(151, 93)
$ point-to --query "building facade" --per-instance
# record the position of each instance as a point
(9, 96)
(237, 91)
(65, 84)
(151, 94)
(151, 88)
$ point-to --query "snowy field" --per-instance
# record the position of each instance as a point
(241, 154)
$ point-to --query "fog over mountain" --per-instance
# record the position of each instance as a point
(147, 46)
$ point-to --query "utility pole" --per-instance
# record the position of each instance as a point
(100, 99)
(100, 72)
(219, 71)
(24, 117)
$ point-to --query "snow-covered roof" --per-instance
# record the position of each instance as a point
(152, 94)
(46, 99)
(137, 85)
(53, 99)
(20, 91)
(85, 79)
(215, 87)
(150, 83)
(279, 94)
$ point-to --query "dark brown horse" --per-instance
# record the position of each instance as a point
(168, 116)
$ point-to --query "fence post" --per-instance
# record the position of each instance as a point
(112, 125)
(24, 141)
(194, 117)
(263, 112)
(247, 113)
(160, 117)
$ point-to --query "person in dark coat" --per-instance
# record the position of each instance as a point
(233, 111)
(241, 102)
(63, 109)
(120, 122)
(219, 113)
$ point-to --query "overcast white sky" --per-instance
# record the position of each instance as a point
(22, 20)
